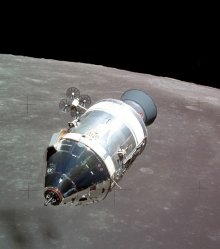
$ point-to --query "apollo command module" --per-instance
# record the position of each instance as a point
(85, 161)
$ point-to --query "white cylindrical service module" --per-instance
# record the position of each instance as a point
(85, 162)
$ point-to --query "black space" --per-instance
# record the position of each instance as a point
(186, 50)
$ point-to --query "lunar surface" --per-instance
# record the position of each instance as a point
(170, 196)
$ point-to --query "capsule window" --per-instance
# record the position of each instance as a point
(65, 145)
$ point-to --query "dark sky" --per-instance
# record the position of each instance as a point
(189, 63)
(187, 50)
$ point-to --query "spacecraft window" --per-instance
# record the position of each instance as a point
(77, 149)
(66, 145)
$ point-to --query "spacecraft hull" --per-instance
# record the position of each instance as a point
(86, 161)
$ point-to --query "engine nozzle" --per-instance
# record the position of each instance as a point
(142, 103)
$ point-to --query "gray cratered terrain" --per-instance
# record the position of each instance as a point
(171, 193)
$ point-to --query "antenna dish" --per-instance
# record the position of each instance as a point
(85, 101)
(76, 104)
(65, 105)
(72, 93)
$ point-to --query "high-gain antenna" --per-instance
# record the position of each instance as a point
(76, 104)
(72, 93)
